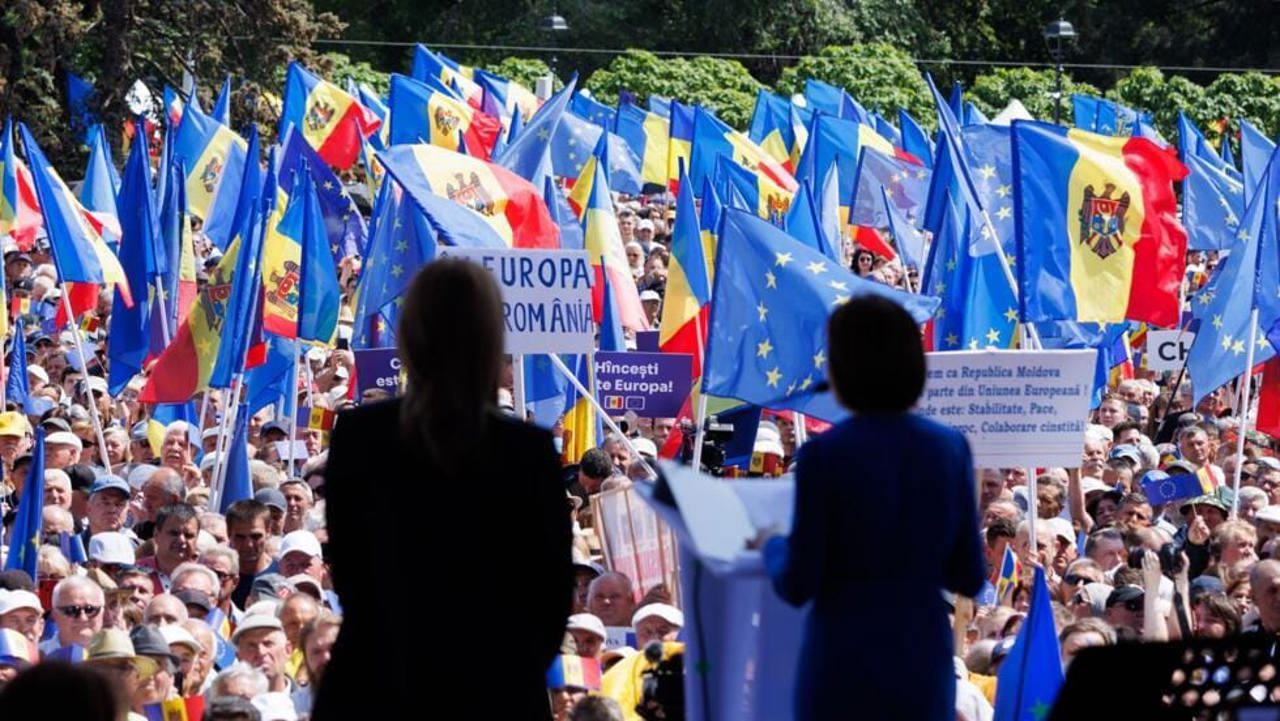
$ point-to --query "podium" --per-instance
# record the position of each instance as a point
(742, 641)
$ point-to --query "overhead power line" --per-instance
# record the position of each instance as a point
(783, 56)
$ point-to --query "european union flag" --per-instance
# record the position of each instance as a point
(269, 382)
(772, 296)
(130, 336)
(989, 155)
(24, 538)
(914, 139)
(1247, 280)
(343, 225)
(906, 184)
(544, 389)
(1167, 489)
(589, 108)
(528, 155)
(571, 236)
(1212, 203)
(1106, 117)
(572, 143)
(908, 240)
(16, 387)
(1192, 142)
(1031, 675)
(1255, 149)
(402, 243)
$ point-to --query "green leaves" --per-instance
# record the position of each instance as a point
(878, 75)
(724, 86)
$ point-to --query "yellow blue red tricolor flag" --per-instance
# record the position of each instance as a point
(1097, 226)
(19, 213)
(330, 119)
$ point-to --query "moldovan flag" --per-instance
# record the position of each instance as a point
(603, 241)
(419, 114)
(209, 150)
(684, 312)
(329, 118)
(648, 134)
(507, 202)
(1097, 226)
(19, 212)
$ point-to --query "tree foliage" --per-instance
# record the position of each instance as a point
(721, 85)
(525, 71)
(880, 76)
(1037, 89)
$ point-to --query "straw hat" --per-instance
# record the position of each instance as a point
(112, 643)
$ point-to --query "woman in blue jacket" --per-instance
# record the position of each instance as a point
(885, 518)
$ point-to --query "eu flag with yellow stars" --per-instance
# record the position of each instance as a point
(572, 143)
(1031, 675)
(978, 309)
(906, 183)
(24, 540)
(767, 343)
(989, 155)
(1249, 279)
(343, 225)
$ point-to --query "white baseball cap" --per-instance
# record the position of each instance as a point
(64, 438)
(645, 447)
(301, 540)
(275, 706)
(255, 621)
(111, 547)
(587, 622)
(40, 373)
(665, 611)
(18, 598)
(301, 579)
(175, 635)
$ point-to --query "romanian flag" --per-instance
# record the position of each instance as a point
(75, 238)
(419, 114)
(648, 134)
(569, 671)
(580, 193)
(687, 304)
(209, 150)
(680, 144)
(1010, 572)
(429, 66)
(709, 225)
(581, 426)
(604, 246)
(768, 199)
(507, 202)
(328, 117)
(19, 212)
(712, 138)
(190, 708)
(1097, 226)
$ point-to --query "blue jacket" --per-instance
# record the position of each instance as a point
(885, 517)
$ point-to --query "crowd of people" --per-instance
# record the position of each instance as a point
(143, 583)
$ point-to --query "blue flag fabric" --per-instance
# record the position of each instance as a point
(1172, 488)
(914, 139)
(908, 240)
(1192, 142)
(1255, 150)
(318, 291)
(101, 181)
(772, 296)
(1247, 280)
(16, 388)
(1212, 205)
(802, 219)
(1106, 117)
(238, 484)
(269, 382)
(906, 184)
(973, 116)
(572, 144)
(79, 95)
(1031, 675)
(222, 105)
(660, 105)
(129, 341)
(24, 539)
(173, 225)
(403, 241)
(988, 153)
(886, 129)
(343, 225)
(571, 235)
(544, 389)
(589, 108)
(529, 154)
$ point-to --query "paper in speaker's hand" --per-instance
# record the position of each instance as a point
(713, 513)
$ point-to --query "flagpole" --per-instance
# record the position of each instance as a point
(1244, 410)
(700, 433)
(229, 422)
(582, 390)
(164, 313)
(802, 433)
(93, 407)
(517, 386)
(293, 417)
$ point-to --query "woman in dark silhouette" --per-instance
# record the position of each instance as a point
(435, 603)
(885, 518)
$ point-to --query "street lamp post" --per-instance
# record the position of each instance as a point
(553, 25)
(1057, 35)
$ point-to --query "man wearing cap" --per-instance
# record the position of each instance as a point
(21, 611)
(61, 449)
(111, 551)
(276, 504)
(140, 444)
(1203, 514)
(656, 622)
(298, 501)
(1268, 478)
(261, 643)
(15, 436)
(652, 304)
(1268, 523)
(177, 451)
(588, 634)
(300, 553)
(186, 650)
(108, 506)
(177, 526)
(150, 643)
(1125, 609)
